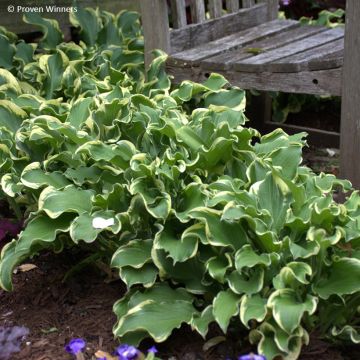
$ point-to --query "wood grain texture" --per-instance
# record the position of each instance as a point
(178, 13)
(197, 34)
(215, 8)
(247, 3)
(296, 32)
(234, 41)
(197, 9)
(258, 63)
(154, 15)
(321, 82)
(325, 56)
(232, 5)
(273, 9)
(350, 105)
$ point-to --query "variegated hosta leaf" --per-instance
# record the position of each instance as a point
(225, 306)
(179, 249)
(292, 275)
(135, 254)
(347, 333)
(34, 177)
(246, 257)
(87, 226)
(247, 284)
(201, 322)
(220, 232)
(11, 115)
(39, 233)
(342, 278)
(288, 310)
(70, 199)
(217, 266)
(273, 342)
(252, 308)
(50, 28)
(156, 311)
(8, 83)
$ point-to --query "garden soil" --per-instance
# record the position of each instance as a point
(56, 311)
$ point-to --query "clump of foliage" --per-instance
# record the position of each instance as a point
(205, 219)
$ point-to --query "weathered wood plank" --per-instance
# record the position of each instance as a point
(15, 23)
(273, 8)
(233, 41)
(258, 62)
(318, 56)
(232, 5)
(350, 105)
(154, 15)
(197, 9)
(224, 61)
(178, 13)
(215, 8)
(247, 3)
(331, 61)
(197, 34)
(321, 82)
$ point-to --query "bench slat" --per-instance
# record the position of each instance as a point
(232, 5)
(232, 41)
(248, 3)
(178, 13)
(258, 62)
(223, 61)
(319, 82)
(319, 57)
(215, 8)
(196, 34)
(197, 9)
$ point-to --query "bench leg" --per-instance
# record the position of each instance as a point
(350, 103)
(259, 111)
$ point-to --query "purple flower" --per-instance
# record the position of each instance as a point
(10, 340)
(126, 352)
(153, 350)
(252, 356)
(75, 346)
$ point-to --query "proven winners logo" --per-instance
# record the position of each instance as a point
(42, 9)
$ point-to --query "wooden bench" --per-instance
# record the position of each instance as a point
(244, 41)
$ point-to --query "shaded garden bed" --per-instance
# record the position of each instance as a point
(55, 312)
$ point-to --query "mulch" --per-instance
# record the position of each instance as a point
(56, 311)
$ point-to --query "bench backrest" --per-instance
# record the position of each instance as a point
(194, 22)
(214, 9)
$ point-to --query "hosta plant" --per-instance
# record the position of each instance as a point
(205, 219)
